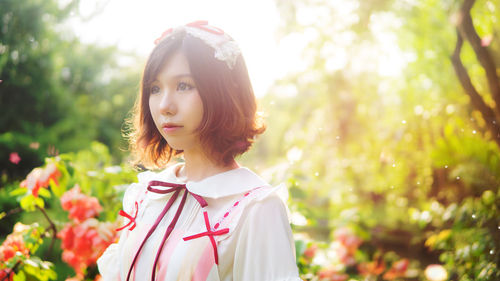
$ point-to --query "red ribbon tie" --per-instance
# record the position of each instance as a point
(210, 235)
(131, 218)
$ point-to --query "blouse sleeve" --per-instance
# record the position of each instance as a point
(265, 247)
(109, 263)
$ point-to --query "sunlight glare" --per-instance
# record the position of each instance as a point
(132, 26)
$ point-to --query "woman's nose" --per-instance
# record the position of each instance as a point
(167, 104)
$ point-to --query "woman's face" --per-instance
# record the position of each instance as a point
(176, 106)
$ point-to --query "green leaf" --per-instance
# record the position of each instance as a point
(300, 247)
(60, 188)
(488, 197)
(39, 202)
(39, 269)
(18, 191)
(32, 262)
(44, 192)
(20, 276)
(28, 203)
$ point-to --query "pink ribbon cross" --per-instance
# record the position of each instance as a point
(210, 235)
(131, 218)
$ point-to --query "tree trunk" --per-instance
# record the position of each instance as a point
(465, 29)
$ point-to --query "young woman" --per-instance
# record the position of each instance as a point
(205, 218)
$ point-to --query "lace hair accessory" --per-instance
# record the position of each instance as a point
(225, 47)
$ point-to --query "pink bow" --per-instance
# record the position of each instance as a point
(131, 218)
(201, 24)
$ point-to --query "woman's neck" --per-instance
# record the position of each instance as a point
(199, 166)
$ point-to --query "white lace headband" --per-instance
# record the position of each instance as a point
(225, 47)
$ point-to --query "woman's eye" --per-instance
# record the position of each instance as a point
(155, 89)
(183, 86)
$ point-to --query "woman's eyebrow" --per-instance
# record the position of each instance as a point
(183, 75)
(177, 76)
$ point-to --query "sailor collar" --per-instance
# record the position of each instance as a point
(223, 184)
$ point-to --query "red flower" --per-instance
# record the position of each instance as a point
(40, 177)
(5, 272)
(331, 274)
(349, 243)
(79, 205)
(14, 158)
(83, 243)
(345, 236)
(373, 268)
(67, 236)
(310, 252)
(85, 238)
(12, 244)
(398, 269)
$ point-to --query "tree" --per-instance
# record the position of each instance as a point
(397, 156)
(57, 94)
(465, 29)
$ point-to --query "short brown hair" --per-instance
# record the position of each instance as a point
(229, 124)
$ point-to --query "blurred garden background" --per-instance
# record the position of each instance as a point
(383, 120)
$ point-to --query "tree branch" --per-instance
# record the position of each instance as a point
(467, 30)
(52, 227)
(10, 212)
(476, 99)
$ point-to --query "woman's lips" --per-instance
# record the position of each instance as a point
(171, 128)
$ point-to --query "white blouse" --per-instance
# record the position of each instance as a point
(230, 226)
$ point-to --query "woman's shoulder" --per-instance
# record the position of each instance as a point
(268, 201)
(245, 209)
(135, 189)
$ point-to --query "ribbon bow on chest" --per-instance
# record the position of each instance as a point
(176, 189)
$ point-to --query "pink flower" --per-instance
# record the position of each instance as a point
(331, 274)
(345, 236)
(310, 252)
(79, 205)
(14, 158)
(349, 244)
(40, 177)
(13, 244)
(5, 272)
(397, 270)
(83, 243)
(372, 268)
(34, 145)
(486, 40)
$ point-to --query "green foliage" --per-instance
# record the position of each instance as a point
(93, 172)
(29, 238)
(401, 159)
(57, 94)
(466, 234)
(96, 175)
(380, 152)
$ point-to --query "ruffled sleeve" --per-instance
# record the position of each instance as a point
(109, 262)
(265, 248)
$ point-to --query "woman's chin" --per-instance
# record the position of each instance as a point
(175, 146)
